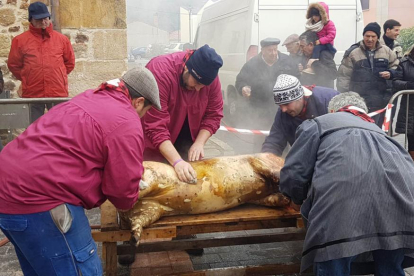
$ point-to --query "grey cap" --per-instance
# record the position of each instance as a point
(142, 81)
(269, 41)
(290, 39)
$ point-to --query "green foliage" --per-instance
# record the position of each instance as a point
(406, 38)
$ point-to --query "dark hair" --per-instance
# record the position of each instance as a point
(309, 37)
(135, 94)
(390, 24)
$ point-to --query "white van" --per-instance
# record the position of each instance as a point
(234, 28)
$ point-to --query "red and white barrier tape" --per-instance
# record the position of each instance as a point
(245, 131)
(385, 126)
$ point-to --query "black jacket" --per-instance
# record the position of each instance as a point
(259, 109)
(357, 74)
(405, 82)
(325, 71)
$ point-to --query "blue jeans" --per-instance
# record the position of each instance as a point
(387, 263)
(43, 249)
(321, 47)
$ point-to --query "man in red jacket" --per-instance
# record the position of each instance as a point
(41, 59)
(192, 107)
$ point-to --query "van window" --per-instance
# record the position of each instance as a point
(365, 5)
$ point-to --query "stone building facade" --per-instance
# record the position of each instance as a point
(96, 28)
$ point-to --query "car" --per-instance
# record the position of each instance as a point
(140, 52)
(174, 47)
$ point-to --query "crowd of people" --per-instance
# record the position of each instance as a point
(91, 148)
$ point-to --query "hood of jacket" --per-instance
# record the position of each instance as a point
(323, 9)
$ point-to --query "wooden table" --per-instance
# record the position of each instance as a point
(160, 235)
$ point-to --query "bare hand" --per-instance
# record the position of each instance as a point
(385, 75)
(295, 206)
(185, 172)
(196, 152)
(300, 66)
(246, 91)
(312, 60)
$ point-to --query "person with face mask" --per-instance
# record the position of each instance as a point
(192, 108)
(41, 59)
(78, 155)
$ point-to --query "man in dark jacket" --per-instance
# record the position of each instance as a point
(322, 71)
(391, 32)
(357, 187)
(296, 104)
(365, 68)
(256, 80)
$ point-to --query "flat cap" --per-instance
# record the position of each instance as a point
(142, 81)
(290, 39)
(269, 41)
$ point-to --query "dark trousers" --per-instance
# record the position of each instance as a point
(319, 48)
(387, 263)
(37, 110)
(43, 249)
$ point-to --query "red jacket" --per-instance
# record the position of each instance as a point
(42, 60)
(204, 108)
(81, 152)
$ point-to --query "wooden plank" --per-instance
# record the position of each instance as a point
(109, 256)
(125, 235)
(235, 226)
(246, 212)
(109, 217)
(300, 223)
(270, 269)
(109, 221)
(291, 235)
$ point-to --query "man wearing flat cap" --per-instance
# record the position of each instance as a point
(41, 59)
(295, 53)
(256, 80)
(297, 103)
(192, 108)
(365, 68)
(75, 157)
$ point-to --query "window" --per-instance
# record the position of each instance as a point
(365, 5)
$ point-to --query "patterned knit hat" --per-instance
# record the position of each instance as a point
(287, 89)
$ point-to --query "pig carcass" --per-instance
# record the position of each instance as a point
(222, 183)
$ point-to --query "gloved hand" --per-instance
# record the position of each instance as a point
(185, 172)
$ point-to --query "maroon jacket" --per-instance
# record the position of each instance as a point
(204, 108)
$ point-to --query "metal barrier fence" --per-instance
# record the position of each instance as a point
(15, 113)
(391, 101)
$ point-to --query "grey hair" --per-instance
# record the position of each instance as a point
(309, 37)
(347, 98)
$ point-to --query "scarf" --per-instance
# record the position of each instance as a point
(314, 27)
(117, 85)
(357, 112)
(388, 41)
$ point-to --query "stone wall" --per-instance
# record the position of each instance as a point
(96, 28)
